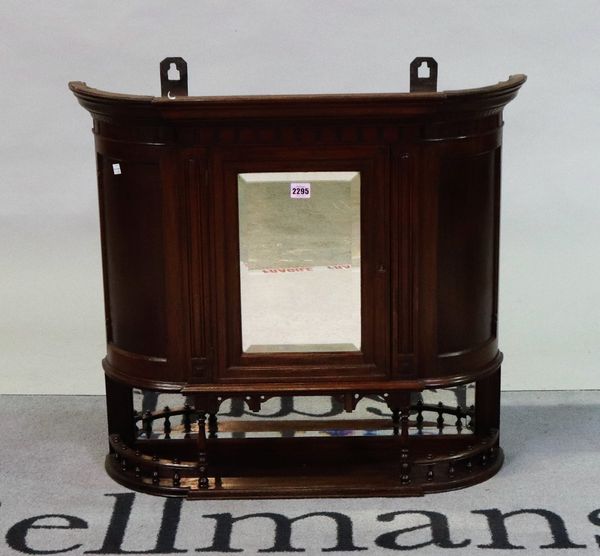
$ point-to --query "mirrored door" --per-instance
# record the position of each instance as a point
(305, 256)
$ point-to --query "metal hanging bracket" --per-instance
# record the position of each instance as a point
(176, 84)
(426, 84)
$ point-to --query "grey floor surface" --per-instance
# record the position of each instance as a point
(51, 463)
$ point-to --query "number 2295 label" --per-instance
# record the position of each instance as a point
(299, 190)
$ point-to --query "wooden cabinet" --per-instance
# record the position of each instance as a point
(326, 245)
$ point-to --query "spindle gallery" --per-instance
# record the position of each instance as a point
(335, 250)
(405, 529)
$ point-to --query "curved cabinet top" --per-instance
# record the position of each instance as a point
(368, 105)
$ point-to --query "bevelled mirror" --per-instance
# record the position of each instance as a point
(300, 261)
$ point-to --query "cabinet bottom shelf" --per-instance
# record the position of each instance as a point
(305, 467)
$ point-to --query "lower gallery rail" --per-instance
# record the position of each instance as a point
(423, 447)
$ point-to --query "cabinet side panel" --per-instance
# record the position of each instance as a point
(134, 255)
(466, 243)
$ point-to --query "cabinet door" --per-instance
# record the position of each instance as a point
(301, 273)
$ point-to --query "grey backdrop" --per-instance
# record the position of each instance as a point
(51, 320)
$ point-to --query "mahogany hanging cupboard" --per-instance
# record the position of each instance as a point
(267, 247)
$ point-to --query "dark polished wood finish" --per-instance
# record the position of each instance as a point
(430, 200)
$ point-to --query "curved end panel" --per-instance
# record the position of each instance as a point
(467, 259)
(133, 248)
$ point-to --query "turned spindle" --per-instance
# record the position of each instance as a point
(213, 426)
(148, 424)
(202, 457)
(451, 469)
(187, 420)
(167, 422)
(420, 415)
(404, 467)
(396, 421)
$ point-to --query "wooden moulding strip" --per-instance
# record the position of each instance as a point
(316, 387)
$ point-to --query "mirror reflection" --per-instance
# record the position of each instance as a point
(299, 237)
(444, 411)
